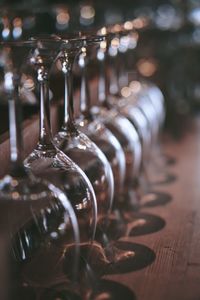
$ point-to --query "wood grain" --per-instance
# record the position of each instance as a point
(175, 273)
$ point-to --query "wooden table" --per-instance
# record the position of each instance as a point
(175, 273)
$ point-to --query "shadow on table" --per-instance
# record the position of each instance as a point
(139, 223)
(163, 179)
(169, 160)
(104, 290)
(143, 256)
(111, 290)
(155, 198)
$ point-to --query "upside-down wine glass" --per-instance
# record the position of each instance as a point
(120, 126)
(119, 97)
(149, 94)
(76, 144)
(85, 153)
(112, 252)
(47, 160)
(145, 95)
(106, 141)
(138, 108)
(97, 131)
(37, 219)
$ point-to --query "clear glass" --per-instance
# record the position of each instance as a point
(37, 220)
(107, 250)
(47, 160)
(97, 131)
(142, 105)
(151, 103)
(76, 144)
(121, 127)
(156, 99)
(42, 227)
(89, 157)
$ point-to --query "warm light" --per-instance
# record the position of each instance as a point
(135, 86)
(63, 18)
(102, 31)
(17, 22)
(114, 45)
(147, 67)
(87, 14)
(82, 205)
(116, 28)
(128, 25)
(103, 45)
(83, 50)
(14, 183)
(115, 42)
(141, 222)
(15, 195)
(113, 49)
(140, 23)
(125, 92)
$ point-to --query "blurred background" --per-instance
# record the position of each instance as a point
(167, 53)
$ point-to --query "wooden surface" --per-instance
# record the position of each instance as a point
(175, 273)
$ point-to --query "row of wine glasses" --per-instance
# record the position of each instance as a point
(60, 203)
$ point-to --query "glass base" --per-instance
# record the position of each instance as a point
(155, 198)
(142, 223)
(110, 290)
(143, 256)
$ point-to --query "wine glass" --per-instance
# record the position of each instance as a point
(97, 131)
(156, 98)
(46, 159)
(76, 144)
(119, 95)
(84, 152)
(135, 102)
(37, 219)
(144, 95)
(113, 254)
(154, 114)
(150, 99)
(120, 126)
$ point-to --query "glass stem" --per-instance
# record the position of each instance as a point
(45, 135)
(103, 80)
(17, 168)
(113, 82)
(85, 101)
(122, 73)
(67, 65)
